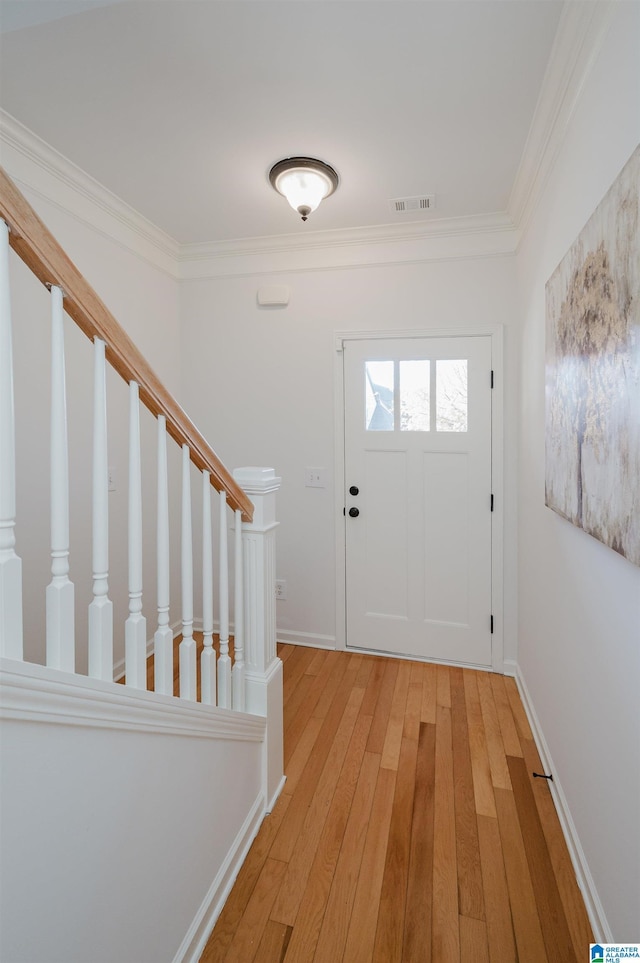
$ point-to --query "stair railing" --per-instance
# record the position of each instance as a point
(222, 682)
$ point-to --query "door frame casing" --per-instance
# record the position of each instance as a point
(496, 333)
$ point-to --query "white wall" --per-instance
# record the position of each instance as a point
(144, 299)
(579, 602)
(261, 382)
(119, 842)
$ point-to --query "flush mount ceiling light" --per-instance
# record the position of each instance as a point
(304, 181)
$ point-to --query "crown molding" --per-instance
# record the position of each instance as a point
(318, 240)
(482, 235)
(38, 167)
(581, 31)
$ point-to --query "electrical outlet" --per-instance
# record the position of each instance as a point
(281, 588)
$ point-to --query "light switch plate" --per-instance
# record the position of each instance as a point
(315, 477)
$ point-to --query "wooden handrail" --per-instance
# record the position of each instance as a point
(40, 251)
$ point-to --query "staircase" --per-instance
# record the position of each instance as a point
(126, 813)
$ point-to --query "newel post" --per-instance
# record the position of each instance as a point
(263, 672)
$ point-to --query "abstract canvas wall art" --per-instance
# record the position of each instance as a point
(592, 429)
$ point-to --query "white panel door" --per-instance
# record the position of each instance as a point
(418, 497)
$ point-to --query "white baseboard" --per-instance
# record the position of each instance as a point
(200, 930)
(276, 796)
(510, 667)
(595, 910)
(306, 638)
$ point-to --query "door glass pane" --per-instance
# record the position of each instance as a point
(451, 395)
(379, 390)
(415, 380)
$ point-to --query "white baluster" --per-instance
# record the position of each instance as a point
(188, 645)
(224, 662)
(101, 608)
(163, 638)
(60, 591)
(135, 629)
(10, 563)
(238, 632)
(208, 657)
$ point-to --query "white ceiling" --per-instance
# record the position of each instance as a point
(180, 107)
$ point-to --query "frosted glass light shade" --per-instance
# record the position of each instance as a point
(303, 188)
(304, 182)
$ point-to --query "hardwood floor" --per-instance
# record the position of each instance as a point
(409, 829)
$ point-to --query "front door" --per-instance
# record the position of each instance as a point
(418, 497)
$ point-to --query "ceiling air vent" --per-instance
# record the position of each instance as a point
(406, 205)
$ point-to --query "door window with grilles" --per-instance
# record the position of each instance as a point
(416, 395)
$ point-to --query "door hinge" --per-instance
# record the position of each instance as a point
(491, 501)
(492, 377)
(492, 625)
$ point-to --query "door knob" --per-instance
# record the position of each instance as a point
(354, 490)
(354, 512)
